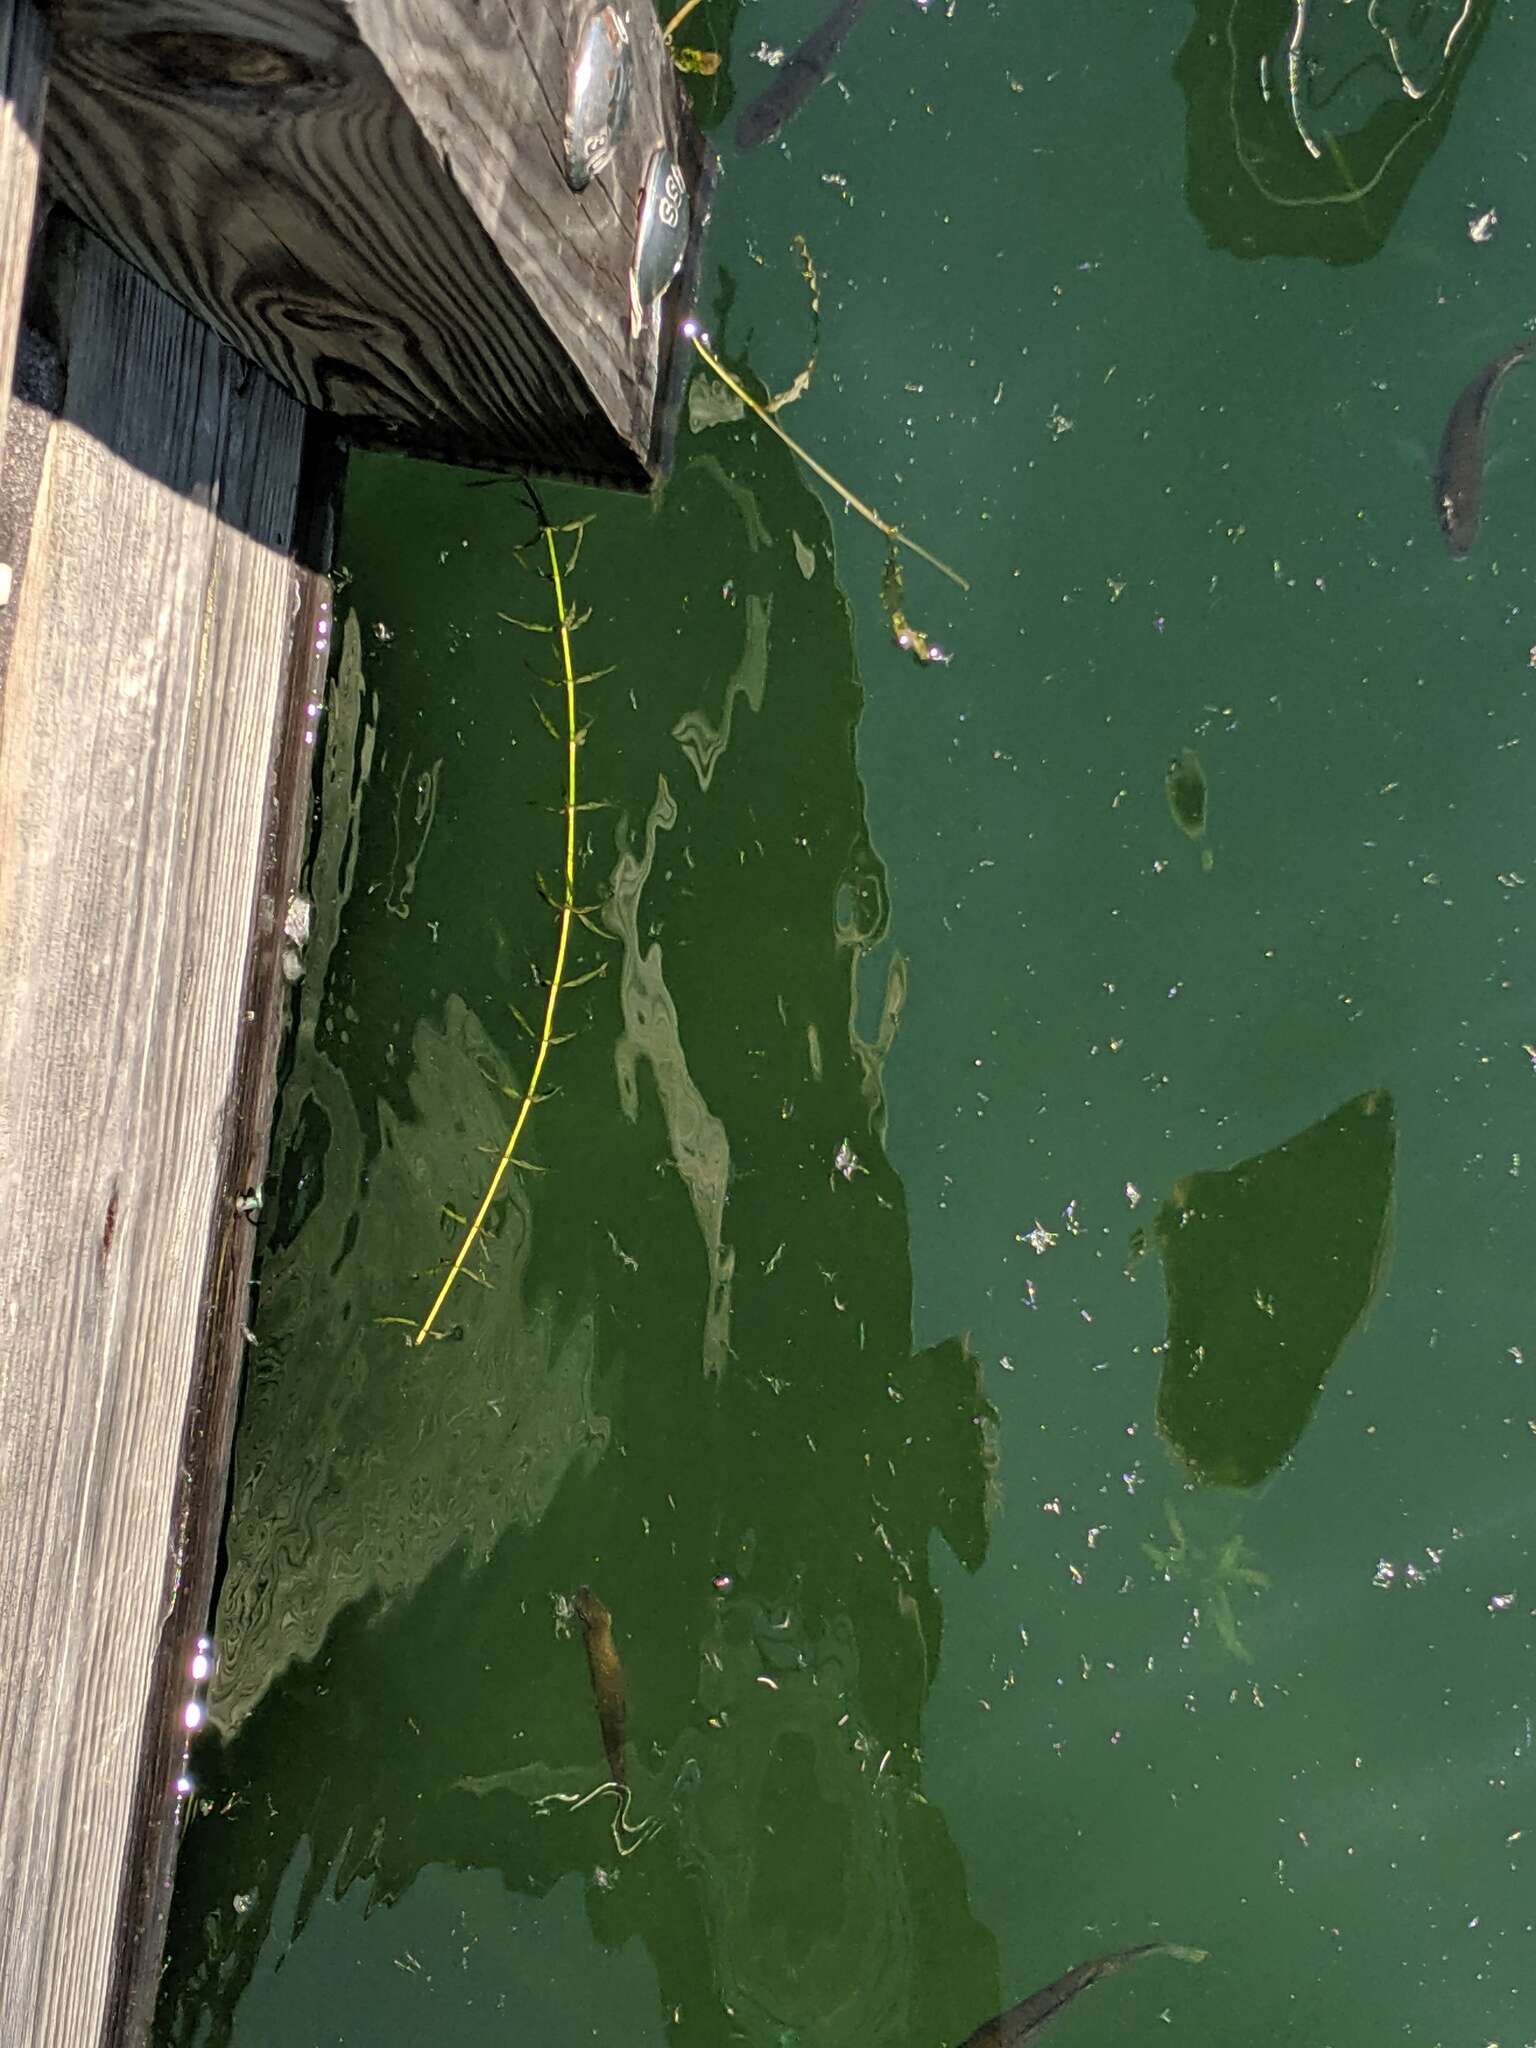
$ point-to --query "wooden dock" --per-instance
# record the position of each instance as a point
(270, 224)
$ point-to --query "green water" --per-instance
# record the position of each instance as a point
(1026, 1318)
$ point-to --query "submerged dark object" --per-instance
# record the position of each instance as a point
(798, 77)
(1185, 787)
(1022, 2022)
(1459, 469)
(1304, 136)
(1270, 1265)
(607, 1677)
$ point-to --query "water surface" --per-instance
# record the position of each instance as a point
(1024, 1313)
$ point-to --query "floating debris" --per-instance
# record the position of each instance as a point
(909, 638)
(846, 1161)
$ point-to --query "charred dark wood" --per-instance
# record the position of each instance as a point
(368, 198)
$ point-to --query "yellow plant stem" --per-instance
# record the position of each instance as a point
(562, 947)
(679, 18)
(892, 533)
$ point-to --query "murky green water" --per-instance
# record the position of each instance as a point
(1024, 1315)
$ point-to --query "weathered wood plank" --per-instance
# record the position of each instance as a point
(380, 217)
(207, 1435)
(135, 823)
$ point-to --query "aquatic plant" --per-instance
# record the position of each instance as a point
(909, 638)
(1218, 1572)
(894, 534)
(562, 900)
(678, 19)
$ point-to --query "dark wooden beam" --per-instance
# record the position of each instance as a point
(368, 198)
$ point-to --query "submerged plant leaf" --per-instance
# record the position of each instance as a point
(1188, 796)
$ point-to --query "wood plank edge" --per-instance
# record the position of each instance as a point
(202, 1487)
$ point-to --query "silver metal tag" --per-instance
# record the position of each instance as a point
(597, 100)
(661, 241)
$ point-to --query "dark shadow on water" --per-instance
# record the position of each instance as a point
(1269, 1266)
(693, 1384)
(1310, 120)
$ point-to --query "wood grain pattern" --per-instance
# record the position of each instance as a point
(208, 1430)
(135, 824)
(390, 233)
